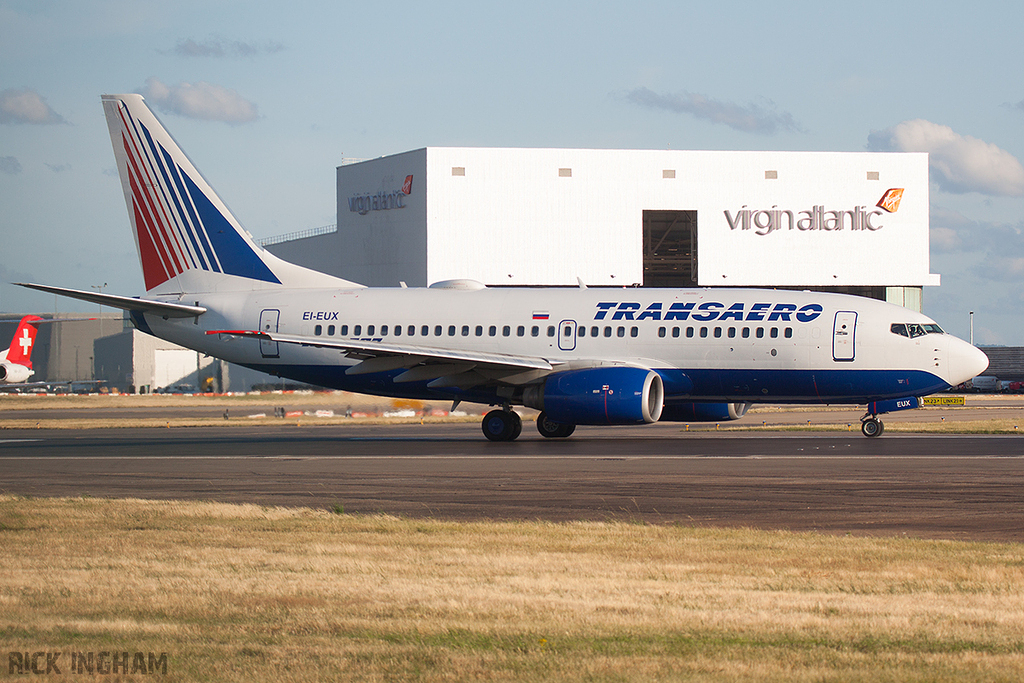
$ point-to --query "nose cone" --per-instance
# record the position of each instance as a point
(965, 361)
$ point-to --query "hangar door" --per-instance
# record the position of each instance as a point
(670, 248)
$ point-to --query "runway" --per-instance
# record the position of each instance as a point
(934, 486)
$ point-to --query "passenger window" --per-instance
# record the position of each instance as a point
(506, 331)
(520, 331)
(633, 331)
(492, 331)
(607, 331)
(703, 332)
(689, 331)
(582, 331)
(330, 330)
(344, 330)
(732, 332)
(551, 330)
(789, 333)
(357, 330)
(479, 330)
(437, 330)
(534, 331)
(398, 330)
(369, 330)
(760, 332)
(595, 332)
(675, 332)
(746, 333)
(775, 333)
(621, 331)
(465, 330)
(318, 330)
(451, 330)
(568, 331)
(718, 332)
(661, 331)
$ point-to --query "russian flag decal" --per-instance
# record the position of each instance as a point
(540, 315)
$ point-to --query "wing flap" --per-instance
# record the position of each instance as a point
(406, 355)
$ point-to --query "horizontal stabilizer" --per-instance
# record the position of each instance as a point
(127, 303)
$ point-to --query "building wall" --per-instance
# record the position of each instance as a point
(549, 216)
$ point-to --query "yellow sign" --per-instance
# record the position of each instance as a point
(943, 401)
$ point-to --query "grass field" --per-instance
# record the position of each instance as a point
(254, 593)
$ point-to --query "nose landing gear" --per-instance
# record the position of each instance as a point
(871, 426)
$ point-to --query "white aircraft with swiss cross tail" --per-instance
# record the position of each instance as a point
(582, 356)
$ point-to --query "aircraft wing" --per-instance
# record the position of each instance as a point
(439, 366)
(128, 303)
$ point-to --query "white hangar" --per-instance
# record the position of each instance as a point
(852, 222)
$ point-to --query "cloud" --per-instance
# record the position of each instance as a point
(221, 47)
(959, 163)
(26, 106)
(10, 165)
(945, 240)
(750, 118)
(200, 101)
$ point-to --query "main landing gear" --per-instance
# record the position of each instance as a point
(553, 430)
(505, 425)
(871, 426)
(502, 425)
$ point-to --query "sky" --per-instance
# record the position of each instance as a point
(268, 99)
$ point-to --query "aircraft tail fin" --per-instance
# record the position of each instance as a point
(187, 239)
(20, 352)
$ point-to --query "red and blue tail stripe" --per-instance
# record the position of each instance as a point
(178, 227)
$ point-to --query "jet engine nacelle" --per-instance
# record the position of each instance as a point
(13, 373)
(704, 412)
(599, 396)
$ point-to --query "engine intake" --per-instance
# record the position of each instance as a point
(13, 372)
(600, 396)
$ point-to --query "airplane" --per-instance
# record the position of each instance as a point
(16, 361)
(582, 356)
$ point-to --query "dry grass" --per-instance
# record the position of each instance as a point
(255, 593)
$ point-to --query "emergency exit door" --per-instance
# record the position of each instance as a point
(269, 319)
(844, 336)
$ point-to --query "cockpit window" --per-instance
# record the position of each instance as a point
(914, 329)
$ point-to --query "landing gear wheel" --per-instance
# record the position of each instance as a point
(872, 427)
(502, 425)
(553, 430)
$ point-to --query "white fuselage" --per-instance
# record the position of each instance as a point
(708, 344)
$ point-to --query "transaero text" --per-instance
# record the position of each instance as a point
(765, 221)
(707, 311)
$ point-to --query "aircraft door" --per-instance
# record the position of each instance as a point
(844, 336)
(269, 319)
(567, 335)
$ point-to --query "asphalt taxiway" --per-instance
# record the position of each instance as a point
(934, 486)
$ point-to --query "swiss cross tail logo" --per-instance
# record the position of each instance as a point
(407, 185)
(890, 201)
(25, 341)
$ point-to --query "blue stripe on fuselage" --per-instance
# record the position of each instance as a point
(708, 385)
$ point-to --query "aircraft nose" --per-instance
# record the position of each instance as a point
(965, 361)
